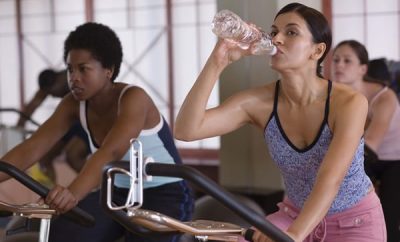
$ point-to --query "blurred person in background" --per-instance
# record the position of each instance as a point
(378, 70)
(74, 145)
(382, 130)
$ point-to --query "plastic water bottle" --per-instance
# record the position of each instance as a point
(228, 25)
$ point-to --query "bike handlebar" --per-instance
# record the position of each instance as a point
(24, 116)
(76, 214)
(207, 185)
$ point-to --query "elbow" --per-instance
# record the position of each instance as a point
(182, 134)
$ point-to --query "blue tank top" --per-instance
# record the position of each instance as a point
(157, 143)
(299, 167)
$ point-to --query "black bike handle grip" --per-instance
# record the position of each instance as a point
(76, 214)
(248, 235)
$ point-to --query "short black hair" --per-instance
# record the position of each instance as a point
(378, 69)
(46, 79)
(100, 40)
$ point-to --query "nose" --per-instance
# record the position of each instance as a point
(338, 64)
(73, 76)
(337, 67)
(277, 39)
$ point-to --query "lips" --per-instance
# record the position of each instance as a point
(278, 50)
(76, 90)
(338, 73)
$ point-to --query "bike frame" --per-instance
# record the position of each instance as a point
(131, 216)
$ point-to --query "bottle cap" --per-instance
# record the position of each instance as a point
(273, 50)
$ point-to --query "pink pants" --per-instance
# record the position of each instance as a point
(363, 222)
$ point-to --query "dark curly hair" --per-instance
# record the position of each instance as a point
(100, 40)
(46, 79)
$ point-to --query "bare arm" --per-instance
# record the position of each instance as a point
(194, 121)
(134, 111)
(348, 128)
(31, 150)
(382, 113)
(33, 104)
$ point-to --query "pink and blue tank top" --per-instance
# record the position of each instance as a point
(299, 167)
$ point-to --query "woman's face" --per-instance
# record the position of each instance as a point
(346, 66)
(294, 42)
(86, 75)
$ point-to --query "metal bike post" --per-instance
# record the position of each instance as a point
(136, 170)
(44, 229)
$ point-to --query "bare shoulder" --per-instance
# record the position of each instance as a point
(133, 93)
(264, 93)
(257, 102)
(347, 104)
(131, 89)
(345, 95)
(136, 101)
(68, 102)
(67, 109)
(389, 97)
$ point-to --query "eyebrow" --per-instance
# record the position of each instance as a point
(288, 25)
(79, 64)
(345, 55)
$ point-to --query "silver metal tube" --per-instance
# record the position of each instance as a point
(44, 230)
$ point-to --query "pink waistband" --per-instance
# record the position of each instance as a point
(370, 201)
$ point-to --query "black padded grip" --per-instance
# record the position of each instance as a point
(248, 235)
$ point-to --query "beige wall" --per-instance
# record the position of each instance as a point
(244, 157)
(311, 3)
(245, 162)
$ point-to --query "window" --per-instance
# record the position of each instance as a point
(150, 60)
(376, 24)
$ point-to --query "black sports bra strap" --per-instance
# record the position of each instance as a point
(327, 100)
(276, 97)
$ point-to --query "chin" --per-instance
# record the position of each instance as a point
(78, 97)
(339, 81)
(272, 64)
(275, 67)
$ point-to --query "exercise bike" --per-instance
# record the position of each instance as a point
(151, 223)
(34, 210)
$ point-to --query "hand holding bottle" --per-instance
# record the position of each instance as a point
(225, 52)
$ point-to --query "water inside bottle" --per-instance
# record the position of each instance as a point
(229, 26)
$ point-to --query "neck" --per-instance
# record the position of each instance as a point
(300, 91)
(104, 99)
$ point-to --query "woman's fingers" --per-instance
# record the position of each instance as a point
(52, 195)
(232, 50)
(61, 199)
(260, 237)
